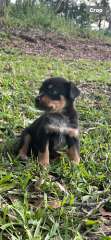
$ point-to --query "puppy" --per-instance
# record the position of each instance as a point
(58, 125)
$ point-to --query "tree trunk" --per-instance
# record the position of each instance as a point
(99, 23)
(109, 28)
(3, 4)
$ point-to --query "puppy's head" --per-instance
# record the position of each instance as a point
(55, 94)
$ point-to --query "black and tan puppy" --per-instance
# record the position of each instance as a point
(58, 126)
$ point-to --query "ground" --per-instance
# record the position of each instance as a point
(37, 42)
(63, 201)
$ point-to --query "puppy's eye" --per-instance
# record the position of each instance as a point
(41, 93)
(50, 86)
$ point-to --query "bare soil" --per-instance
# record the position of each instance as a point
(37, 42)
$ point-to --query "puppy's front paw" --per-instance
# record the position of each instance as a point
(22, 156)
(43, 158)
(73, 155)
(44, 163)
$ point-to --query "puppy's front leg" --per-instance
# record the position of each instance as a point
(73, 154)
(25, 147)
(73, 149)
(43, 157)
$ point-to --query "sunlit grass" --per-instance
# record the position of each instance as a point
(90, 182)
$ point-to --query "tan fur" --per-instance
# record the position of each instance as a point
(43, 158)
(73, 155)
(23, 151)
(56, 105)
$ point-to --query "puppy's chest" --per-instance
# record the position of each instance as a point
(56, 128)
(59, 121)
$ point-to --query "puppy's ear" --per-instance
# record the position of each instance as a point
(73, 91)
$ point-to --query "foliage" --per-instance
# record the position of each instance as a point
(3, 5)
(25, 10)
(26, 14)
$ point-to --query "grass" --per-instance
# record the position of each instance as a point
(48, 211)
(40, 16)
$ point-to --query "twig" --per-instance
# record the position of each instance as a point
(92, 211)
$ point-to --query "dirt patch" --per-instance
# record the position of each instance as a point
(52, 44)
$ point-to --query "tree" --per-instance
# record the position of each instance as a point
(3, 4)
(83, 15)
(106, 7)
